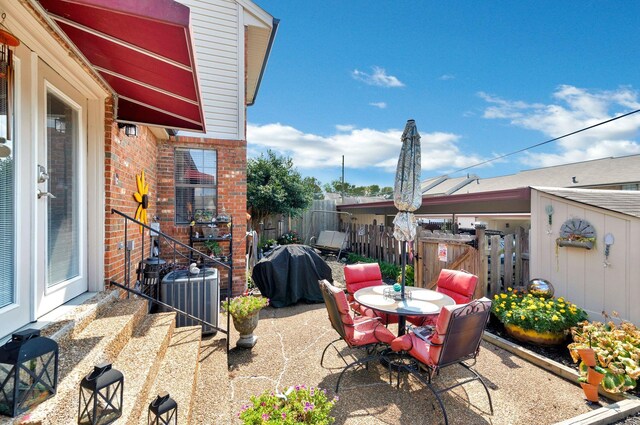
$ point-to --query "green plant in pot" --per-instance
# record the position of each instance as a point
(536, 319)
(213, 247)
(245, 311)
(616, 349)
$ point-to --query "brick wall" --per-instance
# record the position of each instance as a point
(127, 156)
(232, 196)
(124, 158)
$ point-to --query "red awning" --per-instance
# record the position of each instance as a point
(143, 50)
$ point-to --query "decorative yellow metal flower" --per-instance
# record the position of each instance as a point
(142, 197)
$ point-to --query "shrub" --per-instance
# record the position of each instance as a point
(268, 244)
(536, 313)
(617, 349)
(388, 270)
(297, 405)
(289, 238)
(408, 276)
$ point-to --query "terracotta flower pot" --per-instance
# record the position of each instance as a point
(590, 391)
(588, 356)
(594, 377)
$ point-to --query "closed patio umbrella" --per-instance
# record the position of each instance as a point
(407, 196)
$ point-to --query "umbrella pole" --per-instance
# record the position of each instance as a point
(402, 320)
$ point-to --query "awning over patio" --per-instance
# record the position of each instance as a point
(143, 50)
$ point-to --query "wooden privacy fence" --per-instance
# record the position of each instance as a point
(276, 225)
(375, 241)
(498, 261)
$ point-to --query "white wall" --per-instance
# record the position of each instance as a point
(219, 42)
(579, 274)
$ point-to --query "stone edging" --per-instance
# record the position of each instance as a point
(625, 405)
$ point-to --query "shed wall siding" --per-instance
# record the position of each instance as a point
(219, 43)
(579, 274)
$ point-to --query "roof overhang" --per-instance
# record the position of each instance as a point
(500, 201)
(143, 50)
(261, 29)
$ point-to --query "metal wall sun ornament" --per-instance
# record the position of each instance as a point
(142, 197)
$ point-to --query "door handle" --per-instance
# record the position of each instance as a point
(45, 194)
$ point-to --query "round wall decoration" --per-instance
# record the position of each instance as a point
(142, 197)
(577, 232)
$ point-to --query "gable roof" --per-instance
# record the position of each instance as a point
(594, 173)
(621, 201)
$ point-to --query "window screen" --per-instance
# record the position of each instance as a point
(7, 183)
(196, 185)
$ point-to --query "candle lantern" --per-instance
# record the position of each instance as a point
(28, 371)
(101, 393)
(163, 411)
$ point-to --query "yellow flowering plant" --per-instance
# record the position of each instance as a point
(536, 313)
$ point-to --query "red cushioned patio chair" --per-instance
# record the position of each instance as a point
(456, 339)
(358, 276)
(458, 284)
(357, 332)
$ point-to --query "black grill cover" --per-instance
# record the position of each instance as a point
(289, 274)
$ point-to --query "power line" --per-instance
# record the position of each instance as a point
(548, 141)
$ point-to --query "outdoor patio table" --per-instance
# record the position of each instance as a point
(422, 302)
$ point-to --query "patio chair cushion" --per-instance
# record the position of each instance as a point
(361, 330)
(358, 276)
(428, 352)
(458, 284)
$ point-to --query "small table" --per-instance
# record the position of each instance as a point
(423, 302)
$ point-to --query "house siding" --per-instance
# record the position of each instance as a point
(579, 274)
(218, 38)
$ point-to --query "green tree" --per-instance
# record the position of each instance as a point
(274, 186)
(315, 186)
(372, 190)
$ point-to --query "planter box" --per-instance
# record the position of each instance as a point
(575, 244)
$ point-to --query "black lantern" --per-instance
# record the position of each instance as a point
(101, 396)
(28, 371)
(163, 411)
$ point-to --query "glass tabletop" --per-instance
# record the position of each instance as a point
(422, 302)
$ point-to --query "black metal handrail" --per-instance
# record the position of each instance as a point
(177, 255)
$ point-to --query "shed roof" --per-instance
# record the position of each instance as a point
(622, 201)
(594, 173)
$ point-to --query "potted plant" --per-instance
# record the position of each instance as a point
(298, 405)
(213, 247)
(245, 310)
(536, 319)
(615, 349)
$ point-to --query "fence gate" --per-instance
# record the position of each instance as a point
(435, 252)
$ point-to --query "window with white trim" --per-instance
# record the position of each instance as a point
(196, 185)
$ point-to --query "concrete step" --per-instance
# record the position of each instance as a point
(212, 404)
(76, 316)
(140, 361)
(178, 373)
(101, 340)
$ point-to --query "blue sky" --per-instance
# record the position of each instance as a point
(481, 79)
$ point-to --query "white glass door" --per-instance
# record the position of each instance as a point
(14, 298)
(61, 193)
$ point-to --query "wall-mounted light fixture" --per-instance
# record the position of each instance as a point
(130, 130)
(60, 125)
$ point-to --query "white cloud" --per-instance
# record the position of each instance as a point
(345, 127)
(379, 77)
(362, 148)
(575, 108)
(447, 77)
(380, 105)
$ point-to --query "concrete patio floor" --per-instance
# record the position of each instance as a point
(288, 353)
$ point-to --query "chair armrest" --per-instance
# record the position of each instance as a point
(402, 343)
